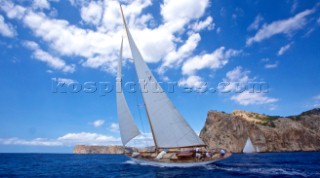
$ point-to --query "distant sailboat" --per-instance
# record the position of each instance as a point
(171, 133)
(257, 149)
(248, 148)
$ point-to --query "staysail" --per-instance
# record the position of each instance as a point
(248, 148)
(128, 128)
(169, 128)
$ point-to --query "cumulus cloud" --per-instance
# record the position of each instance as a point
(250, 98)
(236, 79)
(53, 62)
(92, 13)
(286, 26)
(207, 23)
(98, 123)
(6, 29)
(88, 138)
(41, 4)
(192, 81)
(114, 127)
(98, 46)
(178, 13)
(175, 57)
(214, 60)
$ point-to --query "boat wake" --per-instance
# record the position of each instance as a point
(162, 165)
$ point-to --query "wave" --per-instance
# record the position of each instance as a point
(263, 171)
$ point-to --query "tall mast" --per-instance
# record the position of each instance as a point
(146, 108)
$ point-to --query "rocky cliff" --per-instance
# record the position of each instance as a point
(267, 133)
(86, 149)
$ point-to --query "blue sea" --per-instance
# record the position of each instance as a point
(239, 165)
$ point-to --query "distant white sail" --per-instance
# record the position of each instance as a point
(170, 130)
(128, 128)
(248, 148)
(257, 149)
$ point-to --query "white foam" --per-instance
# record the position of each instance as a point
(130, 162)
(277, 171)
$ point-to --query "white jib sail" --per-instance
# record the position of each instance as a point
(248, 148)
(128, 128)
(170, 130)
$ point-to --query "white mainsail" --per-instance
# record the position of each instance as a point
(248, 148)
(169, 128)
(128, 128)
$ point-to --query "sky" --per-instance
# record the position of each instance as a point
(58, 61)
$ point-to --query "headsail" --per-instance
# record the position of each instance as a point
(169, 128)
(128, 128)
(248, 148)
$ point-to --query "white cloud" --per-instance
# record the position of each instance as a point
(114, 127)
(83, 138)
(208, 23)
(256, 23)
(98, 123)
(178, 13)
(247, 98)
(54, 62)
(283, 49)
(192, 81)
(34, 142)
(214, 60)
(88, 138)
(66, 81)
(236, 79)
(175, 57)
(6, 29)
(92, 13)
(318, 20)
(270, 66)
(12, 10)
(286, 26)
(97, 47)
(41, 4)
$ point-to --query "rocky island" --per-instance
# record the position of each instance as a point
(230, 131)
(267, 133)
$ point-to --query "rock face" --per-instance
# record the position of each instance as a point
(267, 133)
(86, 149)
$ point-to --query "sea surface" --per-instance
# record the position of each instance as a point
(239, 165)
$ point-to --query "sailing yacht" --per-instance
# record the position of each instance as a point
(248, 147)
(175, 142)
